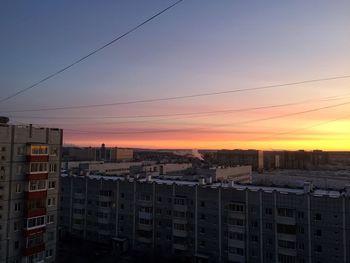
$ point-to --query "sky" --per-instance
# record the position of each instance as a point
(199, 46)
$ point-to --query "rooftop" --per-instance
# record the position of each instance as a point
(239, 187)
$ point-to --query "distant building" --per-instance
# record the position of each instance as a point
(306, 160)
(29, 183)
(121, 154)
(209, 222)
(323, 179)
(237, 158)
(103, 153)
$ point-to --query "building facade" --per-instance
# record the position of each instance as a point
(29, 179)
(255, 158)
(214, 222)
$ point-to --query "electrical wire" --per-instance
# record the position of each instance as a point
(89, 54)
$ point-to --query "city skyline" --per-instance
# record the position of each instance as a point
(196, 47)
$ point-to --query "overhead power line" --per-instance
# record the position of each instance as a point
(90, 54)
(195, 114)
(181, 97)
(196, 129)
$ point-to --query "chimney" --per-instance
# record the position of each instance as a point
(148, 178)
(201, 181)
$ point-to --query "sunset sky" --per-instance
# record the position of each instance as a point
(199, 46)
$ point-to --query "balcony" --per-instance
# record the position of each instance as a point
(35, 212)
(236, 228)
(145, 240)
(79, 196)
(235, 214)
(145, 215)
(37, 158)
(145, 203)
(34, 231)
(179, 233)
(180, 208)
(287, 237)
(286, 220)
(236, 258)
(180, 247)
(236, 243)
(37, 176)
(287, 251)
(145, 227)
(180, 220)
(33, 250)
(36, 195)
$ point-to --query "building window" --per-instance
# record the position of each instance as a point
(318, 249)
(17, 206)
(53, 150)
(16, 226)
(179, 201)
(202, 204)
(20, 150)
(50, 236)
(285, 212)
(3, 149)
(318, 216)
(268, 211)
(236, 251)
(235, 207)
(286, 244)
(301, 229)
(235, 236)
(254, 238)
(318, 232)
(52, 184)
(38, 167)
(254, 224)
(16, 244)
(37, 185)
(19, 169)
(35, 221)
(49, 253)
(51, 201)
(53, 167)
(39, 150)
(179, 226)
(2, 173)
(50, 219)
(18, 188)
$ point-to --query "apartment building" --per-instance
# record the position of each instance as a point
(29, 180)
(214, 222)
(103, 153)
(255, 158)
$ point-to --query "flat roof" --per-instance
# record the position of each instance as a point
(239, 187)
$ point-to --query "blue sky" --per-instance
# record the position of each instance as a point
(198, 46)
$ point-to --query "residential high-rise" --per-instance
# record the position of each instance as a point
(29, 178)
(208, 222)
